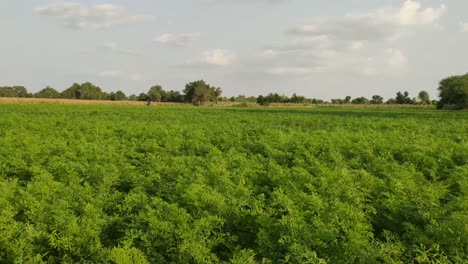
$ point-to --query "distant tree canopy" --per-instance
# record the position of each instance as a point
(377, 99)
(14, 91)
(453, 92)
(199, 92)
(118, 96)
(85, 91)
(360, 100)
(424, 98)
(157, 94)
(403, 98)
(48, 92)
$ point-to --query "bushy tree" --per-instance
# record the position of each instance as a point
(143, 97)
(174, 97)
(48, 92)
(424, 98)
(403, 98)
(298, 99)
(347, 99)
(157, 94)
(262, 100)
(360, 100)
(118, 96)
(377, 99)
(453, 92)
(200, 92)
(85, 91)
(14, 91)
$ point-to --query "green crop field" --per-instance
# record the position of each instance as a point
(135, 184)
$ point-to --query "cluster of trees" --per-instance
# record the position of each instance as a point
(296, 99)
(14, 91)
(401, 98)
(86, 91)
(198, 93)
(453, 93)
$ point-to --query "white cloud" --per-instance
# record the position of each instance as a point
(464, 27)
(120, 75)
(91, 17)
(381, 24)
(218, 57)
(183, 39)
(411, 13)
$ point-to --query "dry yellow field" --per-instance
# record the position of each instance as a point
(4, 100)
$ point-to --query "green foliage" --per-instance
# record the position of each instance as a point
(360, 100)
(157, 94)
(453, 92)
(48, 92)
(85, 91)
(424, 98)
(15, 91)
(199, 92)
(126, 184)
(403, 98)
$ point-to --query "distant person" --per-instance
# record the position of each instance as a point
(148, 102)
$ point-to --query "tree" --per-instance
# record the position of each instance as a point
(215, 94)
(157, 94)
(297, 99)
(347, 100)
(118, 96)
(262, 100)
(133, 97)
(360, 100)
(174, 97)
(424, 98)
(143, 97)
(199, 92)
(377, 99)
(15, 91)
(48, 92)
(7, 92)
(403, 98)
(453, 92)
(86, 91)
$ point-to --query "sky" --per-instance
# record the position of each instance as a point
(317, 48)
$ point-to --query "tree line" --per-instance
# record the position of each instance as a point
(453, 93)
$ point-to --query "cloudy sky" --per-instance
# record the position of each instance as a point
(318, 48)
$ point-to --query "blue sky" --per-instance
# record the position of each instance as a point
(318, 48)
